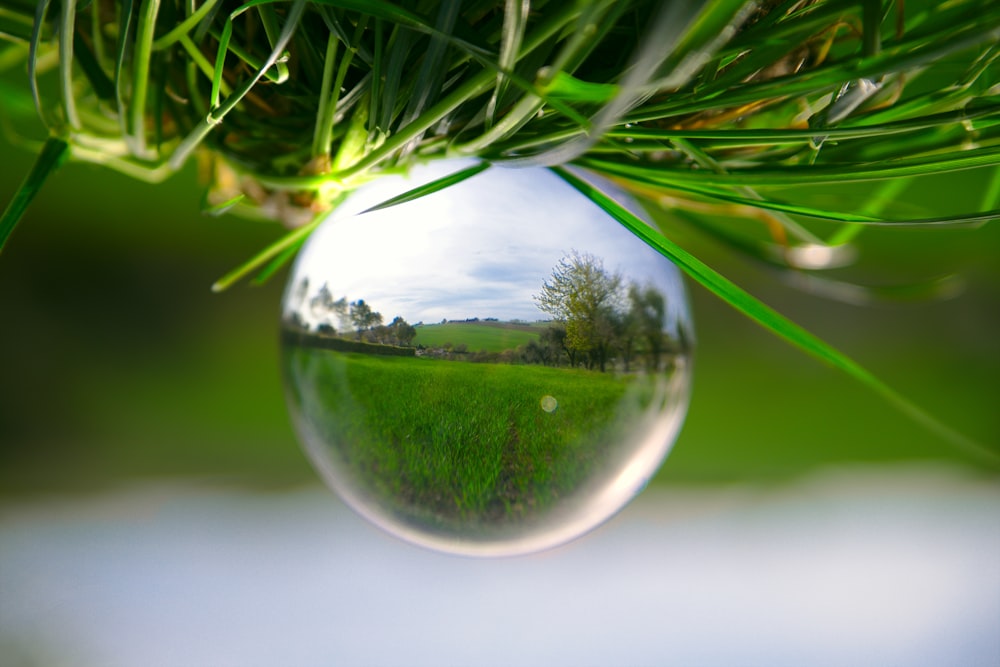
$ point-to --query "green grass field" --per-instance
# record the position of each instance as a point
(476, 336)
(453, 445)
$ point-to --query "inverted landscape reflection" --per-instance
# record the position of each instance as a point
(492, 369)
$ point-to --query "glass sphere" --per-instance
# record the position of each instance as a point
(492, 369)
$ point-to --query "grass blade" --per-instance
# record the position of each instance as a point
(432, 187)
(54, 153)
(36, 38)
(955, 220)
(327, 101)
(275, 264)
(219, 110)
(184, 26)
(269, 19)
(736, 136)
(801, 175)
(991, 194)
(432, 70)
(262, 259)
(376, 89)
(140, 77)
(767, 317)
(89, 63)
(123, 56)
(515, 21)
(15, 26)
(66, 30)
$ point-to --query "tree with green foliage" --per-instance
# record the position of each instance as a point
(586, 298)
(553, 338)
(340, 309)
(330, 315)
(401, 332)
(647, 307)
(363, 317)
(321, 304)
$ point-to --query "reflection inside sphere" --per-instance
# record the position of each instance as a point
(491, 369)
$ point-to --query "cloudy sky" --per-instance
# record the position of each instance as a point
(481, 248)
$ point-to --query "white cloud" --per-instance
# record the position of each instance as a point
(479, 249)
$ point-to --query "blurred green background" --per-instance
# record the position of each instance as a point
(119, 364)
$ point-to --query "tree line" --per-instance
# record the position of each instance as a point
(357, 319)
(598, 321)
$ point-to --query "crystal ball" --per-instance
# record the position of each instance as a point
(492, 369)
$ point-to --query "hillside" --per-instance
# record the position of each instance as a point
(479, 335)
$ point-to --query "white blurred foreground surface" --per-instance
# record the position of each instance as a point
(864, 567)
